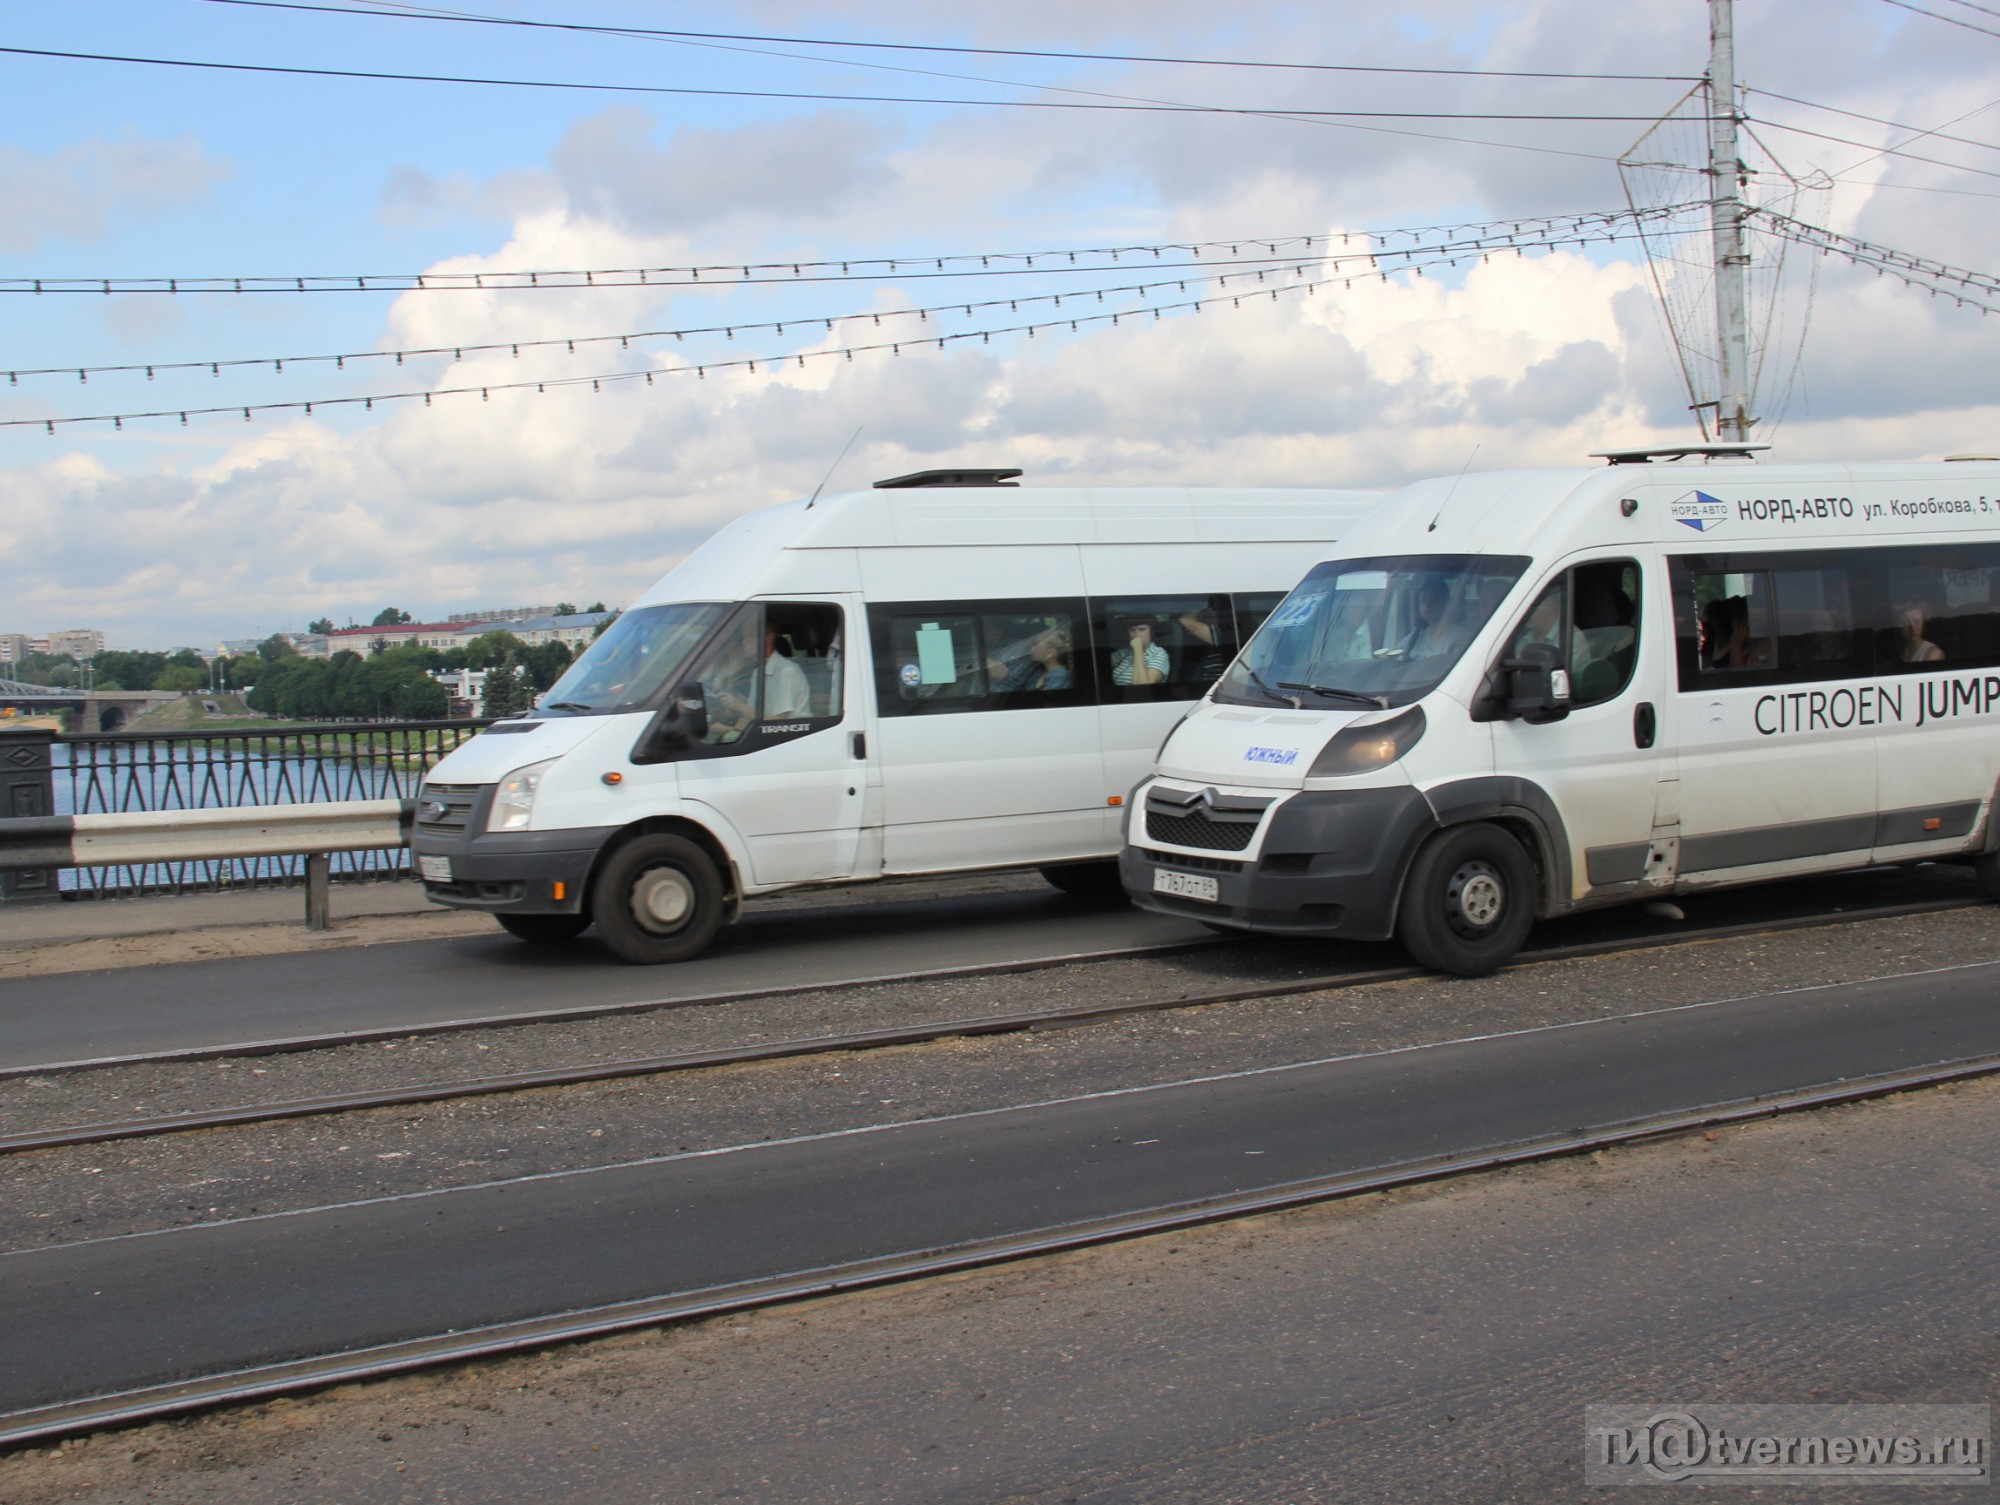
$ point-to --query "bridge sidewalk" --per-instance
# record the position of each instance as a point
(40, 938)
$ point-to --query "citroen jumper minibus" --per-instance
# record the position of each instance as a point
(941, 673)
(1523, 694)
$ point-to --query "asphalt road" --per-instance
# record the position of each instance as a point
(119, 1313)
(413, 986)
(417, 985)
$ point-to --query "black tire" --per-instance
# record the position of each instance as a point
(544, 929)
(658, 899)
(1087, 880)
(1987, 866)
(1469, 901)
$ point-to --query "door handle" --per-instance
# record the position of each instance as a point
(860, 744)
(1645, 724)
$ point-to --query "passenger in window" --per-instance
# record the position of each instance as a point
(1435, 631)
(1916, 648)
(787, 694)
(1142, 661)
(1715, 634)
(1741, 650)
(1046, 666)
(1206, 658)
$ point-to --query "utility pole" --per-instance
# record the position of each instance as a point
(1732, 259)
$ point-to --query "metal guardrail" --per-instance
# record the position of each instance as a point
(146, 837)
(213, 768)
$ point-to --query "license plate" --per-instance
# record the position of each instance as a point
(1187, 885)
(435, 869)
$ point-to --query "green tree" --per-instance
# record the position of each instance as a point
(240, 672)
(181, 679)
(275, 647)
(494, 648)
(565, 609)
(130, 670)
(505, 694)
(544, 663)
(391, 616)
(321, 625)
(595, 606)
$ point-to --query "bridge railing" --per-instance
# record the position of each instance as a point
(314, 834)
(119, 773)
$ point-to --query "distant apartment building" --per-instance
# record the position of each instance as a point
(78, 642)
(574, 629)
(14, 647)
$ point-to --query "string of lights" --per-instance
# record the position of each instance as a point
(1412, 260)
(1935, 277)
(570, 344)
(850, 269)
(465, 18)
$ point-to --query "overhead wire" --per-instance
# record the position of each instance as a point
(375, 75)
(436, 13)
(1948, 20)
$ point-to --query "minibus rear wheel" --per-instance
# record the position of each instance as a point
(544, 929)
(1469, 900)
(658, 899)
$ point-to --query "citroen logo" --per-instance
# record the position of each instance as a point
(436, 810)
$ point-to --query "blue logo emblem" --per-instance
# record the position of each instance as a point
(1700, 512)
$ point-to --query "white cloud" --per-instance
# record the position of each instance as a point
(1534, 360)
(76, 192)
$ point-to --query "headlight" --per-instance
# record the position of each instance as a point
(1363, 747)
(514, 800)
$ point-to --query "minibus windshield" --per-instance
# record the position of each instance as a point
(644, 650)
(1378, 631)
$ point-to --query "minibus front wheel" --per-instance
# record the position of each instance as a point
(658, 899)
(1468, 902)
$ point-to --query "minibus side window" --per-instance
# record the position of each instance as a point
(960, 656)
(1592, 613)
(1943, 610)
(1604, 630)
(1775, 618)
(1163, 647)
(807, 638)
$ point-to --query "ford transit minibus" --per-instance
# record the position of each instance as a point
(942, 673)
(1519, 695)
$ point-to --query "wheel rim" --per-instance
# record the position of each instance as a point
(1474, 898)
(662, 900)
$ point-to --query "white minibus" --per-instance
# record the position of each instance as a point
(1518, 695)
(944, 672)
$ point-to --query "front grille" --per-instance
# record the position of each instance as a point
(457, 800)
(1197, 830)
(1191, 864)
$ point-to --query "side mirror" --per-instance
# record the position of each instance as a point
(677, 725)
(687, 712)
(1537, 684)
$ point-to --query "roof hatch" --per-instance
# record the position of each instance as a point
(948, 478)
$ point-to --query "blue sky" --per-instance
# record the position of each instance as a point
(163, 534)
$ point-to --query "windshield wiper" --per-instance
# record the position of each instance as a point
(569, 705)
(1380, 702)
(1258, 680)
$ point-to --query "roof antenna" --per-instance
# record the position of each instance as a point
(1454, 486)
(833, 467)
